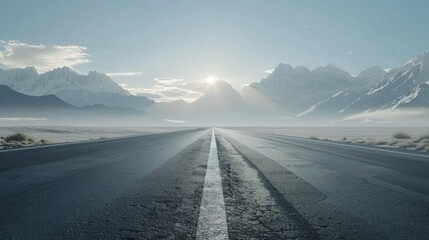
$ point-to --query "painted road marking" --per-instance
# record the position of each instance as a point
(212, 221)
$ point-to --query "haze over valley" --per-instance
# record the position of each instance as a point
(288, 96)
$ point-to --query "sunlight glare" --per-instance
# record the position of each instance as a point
(210, 80)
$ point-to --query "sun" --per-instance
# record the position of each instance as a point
(210, 80)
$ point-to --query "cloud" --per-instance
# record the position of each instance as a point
(16, 54)
(168, 81)
(269, 71)
(175, 121)
(166, 90)
(124, 74)
(22, 119)
(305, 25)
(349, 52)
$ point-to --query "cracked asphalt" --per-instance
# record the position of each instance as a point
(256, 210)
(273, 187)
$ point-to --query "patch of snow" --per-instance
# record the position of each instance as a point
(372, 91)
(309, 110)
(336, 94)
(408, 98)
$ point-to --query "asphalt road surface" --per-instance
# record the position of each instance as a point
(213, 184)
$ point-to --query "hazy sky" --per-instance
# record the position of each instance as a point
(190, 40)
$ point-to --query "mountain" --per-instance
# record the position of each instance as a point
(371, 74)
(219, 97)
(12, 100)
(73, 88)
(402, 87)
(298, 88)
(49, 109)
(332, 105)
(417, 98)
(397, 84)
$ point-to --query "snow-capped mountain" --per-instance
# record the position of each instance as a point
(76, 89)
(402, 87)
(417, 98)
(371, 74)
(299, 89)
(397, 84)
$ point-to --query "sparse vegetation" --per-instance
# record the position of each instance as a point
(20, 140)
(19, 137)
(401, 135)
(314, 138)
(423, 137)
(381, 143)
(427, 148)
(406, 145)
(421, 147)
(392, 143)
(344, 139)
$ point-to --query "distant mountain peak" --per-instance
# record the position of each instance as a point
(302, 69)
(283, 67)
(63, 72)
(72, 87)
(372, 73)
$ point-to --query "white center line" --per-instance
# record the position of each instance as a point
(212, 221)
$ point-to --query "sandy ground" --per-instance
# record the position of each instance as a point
(382, 137)
(73, 134)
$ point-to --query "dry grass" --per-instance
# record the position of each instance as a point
(423, 137)
(422, 147)
(406, 145)
(20, 140)
(381, 143)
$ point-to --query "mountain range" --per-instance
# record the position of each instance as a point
(13, 103)
(73, 88)
(326, 92)
(400, 88)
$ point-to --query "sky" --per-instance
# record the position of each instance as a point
(138, 42)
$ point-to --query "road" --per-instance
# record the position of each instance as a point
(213, 184)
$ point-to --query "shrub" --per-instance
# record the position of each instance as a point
(401, 135)
(314, 138)
(427, 148)
(426, 136)
(19, 137)
(381, 143)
